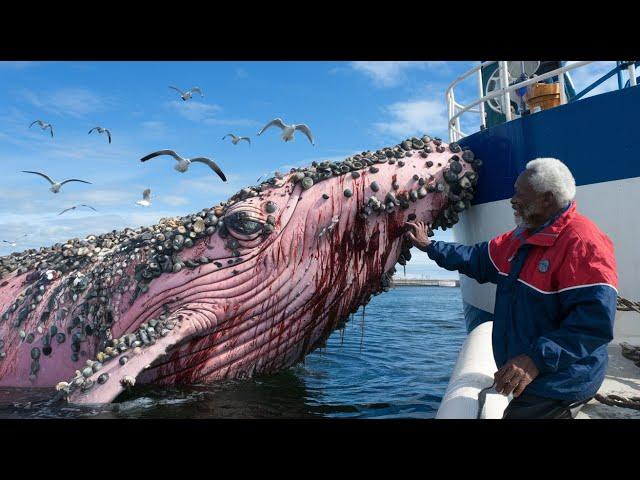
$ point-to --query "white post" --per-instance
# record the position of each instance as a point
(504, 83)
(632, 74)
(449, 126)
(458, 134)
(481, 92)
(563, 97)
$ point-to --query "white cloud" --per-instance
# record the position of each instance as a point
(173, 200)
(104, 197)
(17, 65)
(415, 118)
(584, 76)
(210, 185)
(32, 200)
(392, 73)
(154, 128)
(194, 111)
(71, 101)
(46, 230)
(240, 122)
(206, 113)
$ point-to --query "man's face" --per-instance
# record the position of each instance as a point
(528, 205)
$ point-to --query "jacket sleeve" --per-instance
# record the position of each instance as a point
(587, 326)
(472, 260)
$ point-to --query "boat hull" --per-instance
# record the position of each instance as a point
(597, 138)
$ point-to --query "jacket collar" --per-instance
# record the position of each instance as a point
(548, 235)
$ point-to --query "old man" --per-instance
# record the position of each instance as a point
(555, 298)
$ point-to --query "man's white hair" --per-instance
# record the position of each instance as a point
(551, 175)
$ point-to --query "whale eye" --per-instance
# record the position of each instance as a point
(243, 223)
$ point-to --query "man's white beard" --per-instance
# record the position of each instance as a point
(520, 221)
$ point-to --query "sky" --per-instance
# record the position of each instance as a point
(349, 106)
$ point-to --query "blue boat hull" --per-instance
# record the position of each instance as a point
(598, 138)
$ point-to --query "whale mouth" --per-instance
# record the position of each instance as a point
(118, 365)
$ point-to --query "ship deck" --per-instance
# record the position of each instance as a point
(623, 375)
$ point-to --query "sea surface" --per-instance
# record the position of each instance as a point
(392, 362)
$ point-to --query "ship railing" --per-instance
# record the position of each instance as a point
(456, 109)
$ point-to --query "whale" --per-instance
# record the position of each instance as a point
(246, 287)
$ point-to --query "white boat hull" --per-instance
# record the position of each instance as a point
(613, 207)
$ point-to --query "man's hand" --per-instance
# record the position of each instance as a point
(515, 375)
(417, 234)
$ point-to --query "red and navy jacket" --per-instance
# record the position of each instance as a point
(555, 299)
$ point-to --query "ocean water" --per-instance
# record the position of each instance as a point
(392, 362)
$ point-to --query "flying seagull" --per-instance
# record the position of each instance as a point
(76, 206)
(15, 242)
(183, 163)
(146, 198)
(235, 139)
(43, 125)
(55, 186)
(102, 130)
(189, 93)
(289, 130)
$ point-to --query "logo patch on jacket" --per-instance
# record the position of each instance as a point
(543, 265)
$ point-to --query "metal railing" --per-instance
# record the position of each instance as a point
(456, 109)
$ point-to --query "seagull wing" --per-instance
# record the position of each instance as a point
(246, 138)
(277, 122)
(212, 165)
(307, 131)
(74, 180)
(108, 134)
(146, 195)
(50, 128)
(39, 122)
(161, 152)
(177, 90)
(94, 128)
(88, 206)
(66, 210)
(197, 89)
(42, 175)
(229, 135)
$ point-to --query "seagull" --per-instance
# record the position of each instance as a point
(76, 206)
(146, 198)
(183, 163)
(102, 130)
(235, 139)
(55, 186)
(43, 125)
(15, 242)
(187, 95)
(289, 130)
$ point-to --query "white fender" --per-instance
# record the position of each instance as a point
(473, 372)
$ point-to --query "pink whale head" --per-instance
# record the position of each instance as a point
(247, 287)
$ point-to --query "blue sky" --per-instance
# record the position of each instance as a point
(350, 107)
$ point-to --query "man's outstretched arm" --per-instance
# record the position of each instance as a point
(471, 260)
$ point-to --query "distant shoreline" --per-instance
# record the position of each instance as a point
(422, 282)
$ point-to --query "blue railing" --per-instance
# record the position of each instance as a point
(615, 71)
